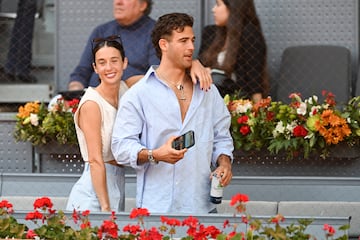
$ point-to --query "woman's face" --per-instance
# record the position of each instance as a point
(109, 64)
(221, 13)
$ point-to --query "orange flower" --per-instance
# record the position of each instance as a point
(332, 127)
(278, 218)
(263, 103)
(30, 107)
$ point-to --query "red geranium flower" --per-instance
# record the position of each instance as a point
(86, 224)
(244, 130)
(241, 198)
(170, 221)
(34, 215)
(329, 229)
(108, 227)
(85, 213)
(133, 229)
(278, 218)
(139, 212)
(191, 222)
(243, 119)
(43, 202)
(151, 234)
(5, 204)
(31, 234)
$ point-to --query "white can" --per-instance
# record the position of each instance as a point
(216, 190)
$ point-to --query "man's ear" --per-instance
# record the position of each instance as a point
(163, 44)
(143, 6)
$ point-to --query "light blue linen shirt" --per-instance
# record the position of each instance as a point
(149, 114)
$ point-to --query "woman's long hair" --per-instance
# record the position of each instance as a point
(242, 13)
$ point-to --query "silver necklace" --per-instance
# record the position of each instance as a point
(179, 87)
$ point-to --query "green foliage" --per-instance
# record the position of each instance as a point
(301, 127)
(10, 228)
(52, 225)
(40, 125)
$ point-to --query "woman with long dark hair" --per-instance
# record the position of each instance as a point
(236, 46)
(101, 186)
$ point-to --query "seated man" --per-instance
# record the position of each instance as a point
(133, 24)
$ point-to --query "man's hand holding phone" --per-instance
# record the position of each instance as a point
(187, 140)
(166, 153)
(175, 148)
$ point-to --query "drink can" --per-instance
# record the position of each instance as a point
(216, 191)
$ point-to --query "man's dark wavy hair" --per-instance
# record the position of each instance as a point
(165, 26)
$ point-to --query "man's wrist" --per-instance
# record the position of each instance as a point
(223, 159)
(151, 158)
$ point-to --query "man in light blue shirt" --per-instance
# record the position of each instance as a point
(165, 104)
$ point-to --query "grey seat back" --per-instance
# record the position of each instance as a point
(309, 69)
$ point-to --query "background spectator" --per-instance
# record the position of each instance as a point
(236, 45)
(18, 62)
(132, 23)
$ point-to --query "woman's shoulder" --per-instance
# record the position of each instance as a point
(90, 95)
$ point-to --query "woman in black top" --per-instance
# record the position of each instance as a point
(236, 45)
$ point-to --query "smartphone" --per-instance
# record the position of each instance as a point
(186, 140)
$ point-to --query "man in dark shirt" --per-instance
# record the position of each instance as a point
(133, 24)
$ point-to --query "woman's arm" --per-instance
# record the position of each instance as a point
(90, 123)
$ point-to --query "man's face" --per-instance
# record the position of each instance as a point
(180, 47)
(127, 12)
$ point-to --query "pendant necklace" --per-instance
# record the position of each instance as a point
(179, 87)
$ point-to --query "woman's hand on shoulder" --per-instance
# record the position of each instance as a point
(202, 74)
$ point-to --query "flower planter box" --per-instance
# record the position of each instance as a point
(304, 125)
(343, 161)
(59, 158)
